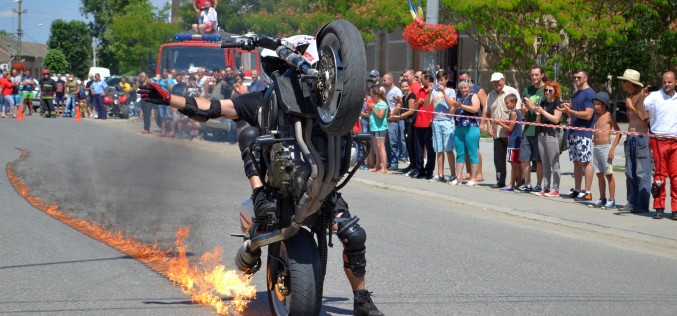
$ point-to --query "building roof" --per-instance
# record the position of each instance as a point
(8, 46)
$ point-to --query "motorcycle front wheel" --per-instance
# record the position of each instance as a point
(294, 276)
(343, 76)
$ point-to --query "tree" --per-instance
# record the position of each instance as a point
(75, 41)
(56, 61)
(573, 32)
(134, 33)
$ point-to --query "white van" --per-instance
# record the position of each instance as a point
(103, 72)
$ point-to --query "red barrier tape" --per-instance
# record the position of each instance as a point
(564, 127)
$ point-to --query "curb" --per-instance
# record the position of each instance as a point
(631, 236)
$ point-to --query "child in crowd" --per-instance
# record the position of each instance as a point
(378, 125)
(514, 139)
(603, 150)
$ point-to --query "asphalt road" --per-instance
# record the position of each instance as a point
(426, 256)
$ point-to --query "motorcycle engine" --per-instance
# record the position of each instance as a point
(288, 173)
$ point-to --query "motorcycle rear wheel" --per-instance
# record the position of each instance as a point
(294, 267)
(343, 76)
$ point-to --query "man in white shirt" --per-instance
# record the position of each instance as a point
(662, 108)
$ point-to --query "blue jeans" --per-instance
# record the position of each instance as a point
(398, 146)
(71, 103)
(638, 171)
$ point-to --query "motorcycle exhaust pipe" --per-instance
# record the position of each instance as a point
(247, 260)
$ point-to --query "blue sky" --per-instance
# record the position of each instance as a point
(42, 12)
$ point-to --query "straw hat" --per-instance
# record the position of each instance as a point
(631, 75)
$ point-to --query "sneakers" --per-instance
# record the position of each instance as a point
(412, 174)
(572, 194)
(262, 203)
(438, 178)
(363, 305)
(610, 204)
(507, 189)
(454, 182)
(583, 196)
(659, 213)
(599, 203)
(628, 208)
(524, 188)
(537, 188)
(552, 194)
(540, 192)
(471, 183)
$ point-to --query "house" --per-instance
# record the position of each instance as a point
(32, 54)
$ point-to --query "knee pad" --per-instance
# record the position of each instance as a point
(353, 238)
(247, 137)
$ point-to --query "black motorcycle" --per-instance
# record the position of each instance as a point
(316, 92)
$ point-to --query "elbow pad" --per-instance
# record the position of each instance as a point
(192, 111)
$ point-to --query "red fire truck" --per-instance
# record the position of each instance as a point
(191, 51)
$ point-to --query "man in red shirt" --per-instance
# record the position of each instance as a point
(423, 130)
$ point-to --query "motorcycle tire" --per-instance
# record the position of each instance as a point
(298, 259)
(342, 90)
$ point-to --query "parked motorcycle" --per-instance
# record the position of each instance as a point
(116, 104)
(317, 86)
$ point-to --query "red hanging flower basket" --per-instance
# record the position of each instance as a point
(430, 37)
(18, 66)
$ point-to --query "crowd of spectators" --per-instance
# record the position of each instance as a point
(530, 130)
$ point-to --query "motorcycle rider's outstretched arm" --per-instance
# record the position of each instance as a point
(199, 109)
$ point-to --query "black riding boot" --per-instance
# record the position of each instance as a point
(262, 203)
(363, 305)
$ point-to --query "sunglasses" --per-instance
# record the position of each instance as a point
(549, 91)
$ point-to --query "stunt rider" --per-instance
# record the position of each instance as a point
(245, 107)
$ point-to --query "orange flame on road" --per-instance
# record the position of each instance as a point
(204, 281)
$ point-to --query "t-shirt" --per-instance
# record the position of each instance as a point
(179, 88)
(467, 121)
(425, 112)
(17, 84)
(378, 124)
(60, 87)
(440, 104)
(71, 86)
(393, 95)
(405, 106)
(30, 86)
(582, 100)
(165, 83)
(48, 88)
(550, 108)
(515, 136)
(257, 86)
(662, 110)
(536, 95)
(7, 86)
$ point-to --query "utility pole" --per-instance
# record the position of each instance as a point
(93, 51)
(432, 16)
(19, 32)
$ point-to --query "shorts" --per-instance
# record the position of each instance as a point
(246, 106)
(165, 113)
(58, 99)
(580, 148)
(514, 155)
(601, 162)
(379, 135)
(443, 136)
(27, 94)
(209, 28)
(529, 149)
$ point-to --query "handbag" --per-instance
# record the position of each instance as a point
(562, 139)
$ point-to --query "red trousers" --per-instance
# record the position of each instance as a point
(664, 152)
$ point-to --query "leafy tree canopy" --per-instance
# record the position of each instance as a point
(74, 39)
(56, 61)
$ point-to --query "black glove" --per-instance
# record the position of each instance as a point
(153, 93)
